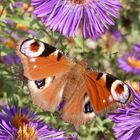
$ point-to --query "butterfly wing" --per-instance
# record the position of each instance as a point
(48, 92)
(77, 107)
(45, 67)
(104, 90)
(41, 60)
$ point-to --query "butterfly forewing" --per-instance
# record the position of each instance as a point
(41, 60)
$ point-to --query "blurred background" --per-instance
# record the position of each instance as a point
(117, 52)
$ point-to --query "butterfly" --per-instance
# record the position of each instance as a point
(57, 83)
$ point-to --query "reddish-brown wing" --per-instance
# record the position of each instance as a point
(104, 90)
(48, 93)
(77, 108)
(45, 67)
(41, 60)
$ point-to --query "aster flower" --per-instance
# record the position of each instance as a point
(127, 120)
(22, 124)
(11, 59)
(130, 63)
(67, 16)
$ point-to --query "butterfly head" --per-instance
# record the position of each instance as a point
(32, 48)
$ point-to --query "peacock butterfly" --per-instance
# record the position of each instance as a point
(54, 81)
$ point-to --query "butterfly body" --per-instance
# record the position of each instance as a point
(55, 80)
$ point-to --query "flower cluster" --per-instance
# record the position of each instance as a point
(130, 62)
(127, 120)
(22, 124)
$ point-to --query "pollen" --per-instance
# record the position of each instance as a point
(26, 133)
(133, 62)
(78, 1)
(135, 85)
(19, 120)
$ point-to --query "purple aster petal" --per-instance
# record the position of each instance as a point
(136, 48)
(67, 16)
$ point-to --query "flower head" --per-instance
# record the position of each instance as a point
(130, 63)
(22, 124)
(67, 16)
(127, 120)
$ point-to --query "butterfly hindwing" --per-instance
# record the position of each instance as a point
(48, 93)
(41, 60)
(77, 107)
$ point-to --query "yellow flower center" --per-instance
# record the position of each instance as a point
(133, 62)
(136, 86)
(78, 1)
(26, 133)
(19, 120)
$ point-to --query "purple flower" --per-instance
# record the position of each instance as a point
(67, 16)
(130, 62)
(136, 48)
(11, 59)
(127, 120)
(22, 124)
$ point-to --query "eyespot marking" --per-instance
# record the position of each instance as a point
(40, 83)
(44, 82)
(87, 106)
(120, 91)
(32, 48)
